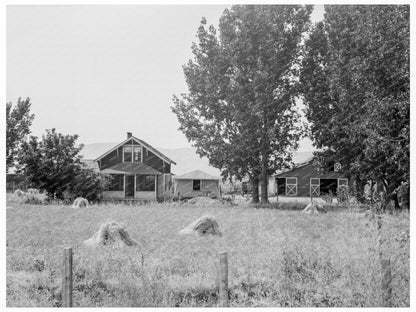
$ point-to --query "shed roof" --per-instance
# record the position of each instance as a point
(130, 168)
(196, 175)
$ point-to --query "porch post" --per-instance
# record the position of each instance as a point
(155, 186)
(135, 178)
(124, 185)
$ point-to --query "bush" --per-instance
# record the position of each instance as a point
(87, 184)
(343, 194)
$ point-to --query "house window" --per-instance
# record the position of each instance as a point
(196, 185)
(292, 186)
(137, 154)
(132, 153)
(116, 183)
(127, 153)
(145, 183)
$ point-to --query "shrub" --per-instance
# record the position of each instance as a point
(343, 194)
(87, 184)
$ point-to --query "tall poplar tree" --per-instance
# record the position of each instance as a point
(240, 110)
(355, 81)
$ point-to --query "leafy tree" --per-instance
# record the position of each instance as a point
(355, 81)
(18, 122)
(52, 164)
(240, 110)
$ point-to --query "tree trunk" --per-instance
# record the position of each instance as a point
(264, 182)
(392, 196)
(359, 189)
(254, 190)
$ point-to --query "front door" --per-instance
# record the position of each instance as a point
(129, 190)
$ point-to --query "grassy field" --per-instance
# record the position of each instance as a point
(277, 258)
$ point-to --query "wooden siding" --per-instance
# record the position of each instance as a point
(304, 174)
(111, 159)
(154, 161)
(137, 195)
(150, 195)
(113, 195)
(184, 188)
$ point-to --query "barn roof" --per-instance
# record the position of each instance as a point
(130, 168)
(308, 169)
(196, 175)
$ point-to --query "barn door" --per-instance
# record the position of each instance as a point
(315, 187)
(292, 186)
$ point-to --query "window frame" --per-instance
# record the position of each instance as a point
(140, 153)
(125, 153)
(132, 147)
(122, 183)
(193, 185)
(145, 182)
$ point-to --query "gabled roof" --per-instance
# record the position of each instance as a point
(130, 168)
(143, 143)
(196, 175)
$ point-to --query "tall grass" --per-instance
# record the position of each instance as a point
(277, 258)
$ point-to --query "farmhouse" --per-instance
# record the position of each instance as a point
(196, 183)
(139, 171)
(305, 180)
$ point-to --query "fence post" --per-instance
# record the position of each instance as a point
(379, 236)
(386, 282)
(224, 280)
(67, 277)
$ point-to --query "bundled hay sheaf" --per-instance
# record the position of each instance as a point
(205, 225)
(80, 202)
(32, 196)
(312, 208)
(19, 193)
(111, 233)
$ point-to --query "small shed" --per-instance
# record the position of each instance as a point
(195, 184)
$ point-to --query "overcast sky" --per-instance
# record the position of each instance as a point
(100, 71)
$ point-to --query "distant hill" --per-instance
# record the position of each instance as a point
(186, 158)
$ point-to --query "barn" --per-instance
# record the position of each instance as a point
(305, 180)
(138, 171)
(197, 183)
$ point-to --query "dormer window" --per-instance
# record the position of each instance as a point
(137, 154)
(127, 153)
(132, 153)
